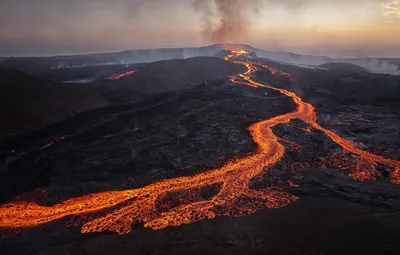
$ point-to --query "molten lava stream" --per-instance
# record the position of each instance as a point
(234, 198)
(120, 76)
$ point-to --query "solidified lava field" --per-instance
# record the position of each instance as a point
(309, 169)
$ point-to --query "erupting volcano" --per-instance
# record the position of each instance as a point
(152, 204)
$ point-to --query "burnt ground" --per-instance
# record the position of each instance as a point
(181, 133)
(361, 107)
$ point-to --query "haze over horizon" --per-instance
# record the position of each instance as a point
(337, 28)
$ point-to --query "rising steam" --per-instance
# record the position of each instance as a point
(225, 21)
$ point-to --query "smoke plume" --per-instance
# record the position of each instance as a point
(225, 21)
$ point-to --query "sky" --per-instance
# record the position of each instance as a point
(338, 28)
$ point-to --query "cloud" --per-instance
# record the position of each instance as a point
(391, 10)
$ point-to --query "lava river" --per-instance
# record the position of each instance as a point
(119, 210)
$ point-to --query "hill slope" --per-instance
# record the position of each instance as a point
(36, 65)
(169, 75)
(344, 67)
(178, 74)
(28, 103)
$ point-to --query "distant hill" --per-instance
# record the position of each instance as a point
(392, 61)
(28, 103)
(344, 67)
(37, 65)
(170, 75)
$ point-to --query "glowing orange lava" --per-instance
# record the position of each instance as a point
(120, 76)
(234, 197)
(56, 140)
(239, 52)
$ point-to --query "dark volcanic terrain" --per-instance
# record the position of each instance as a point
(166, 76)
(180, 133)
(28, 103)
(173, 134)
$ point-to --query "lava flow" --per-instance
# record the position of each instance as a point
(119, 210)
(55, 141)
(120, 76)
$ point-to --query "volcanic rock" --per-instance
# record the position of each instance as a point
(28, 103)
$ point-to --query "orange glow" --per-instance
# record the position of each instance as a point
(395, 176)
(239, 52)
(56, 140)
(120, 76)
(119, 210)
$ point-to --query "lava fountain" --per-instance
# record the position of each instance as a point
(119, 210)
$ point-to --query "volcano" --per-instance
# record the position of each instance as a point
(237, 153)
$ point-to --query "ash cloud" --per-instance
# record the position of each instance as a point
(225, 21)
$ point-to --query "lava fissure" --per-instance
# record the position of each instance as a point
(234, 197)
(120, 76)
